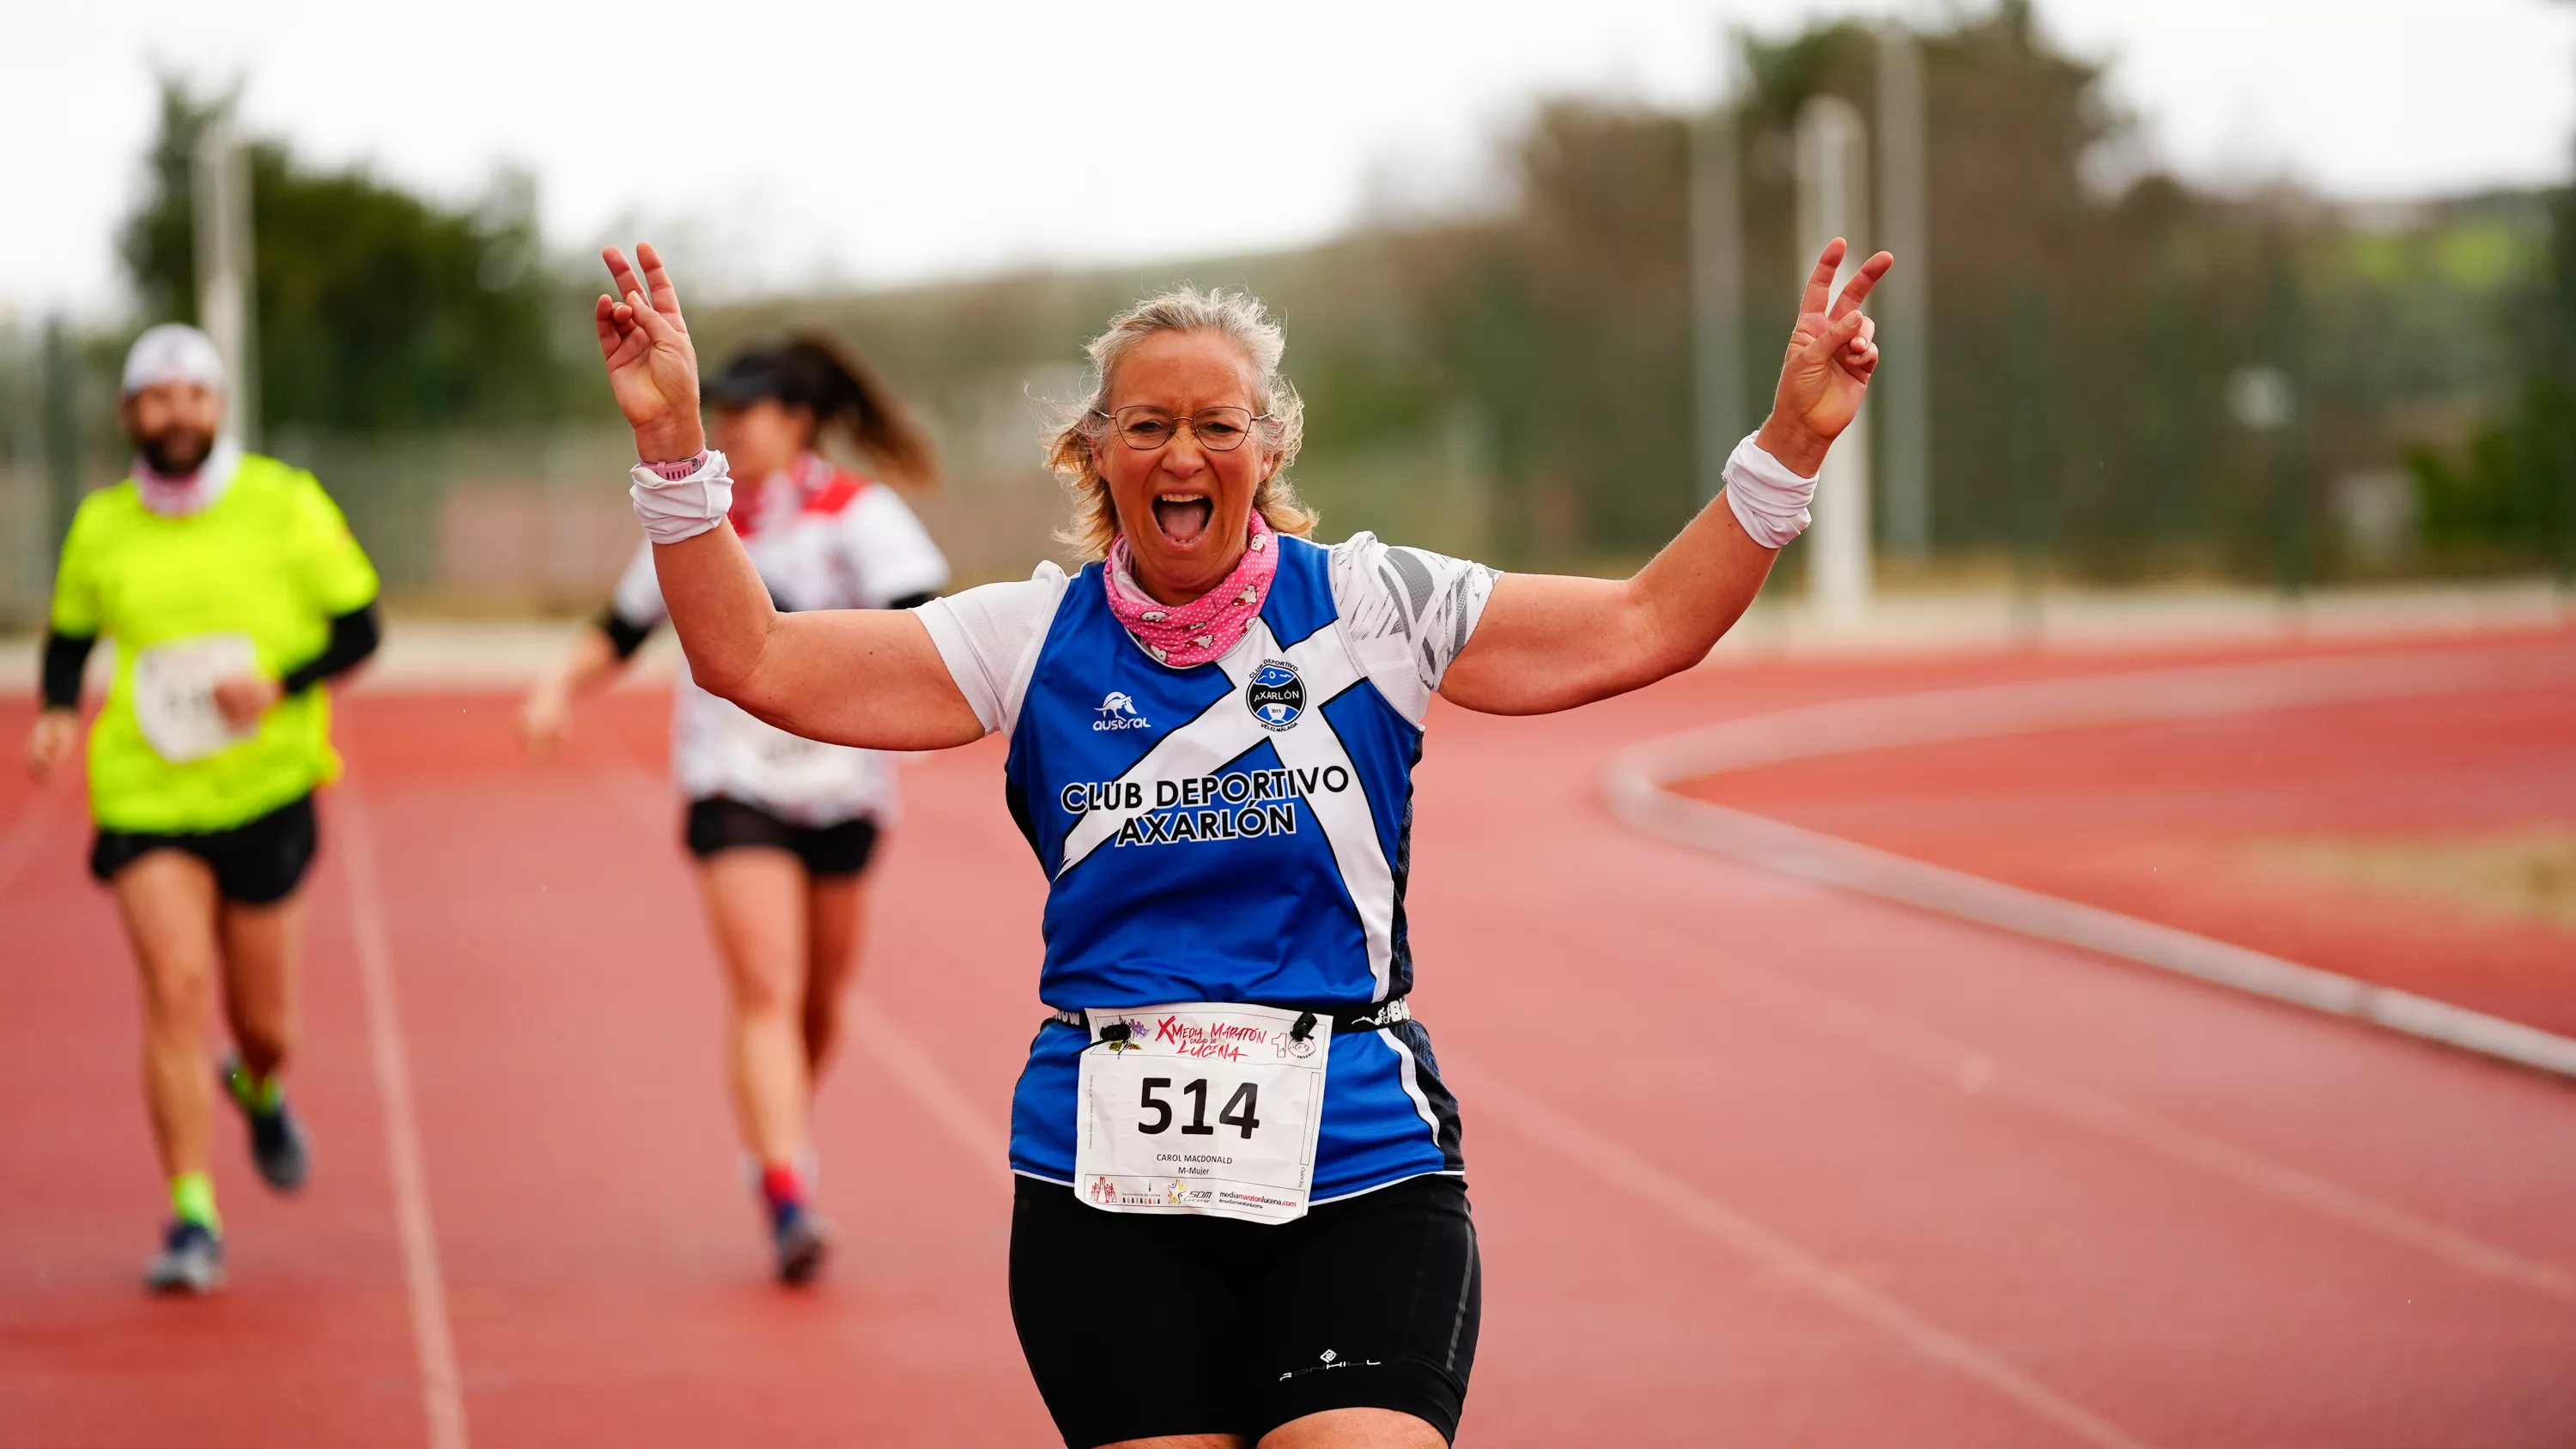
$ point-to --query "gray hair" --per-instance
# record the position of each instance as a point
(1239, 318)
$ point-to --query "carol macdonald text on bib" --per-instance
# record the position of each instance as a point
(1201, 1108)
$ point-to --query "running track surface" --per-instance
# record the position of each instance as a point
(1755, 1162)
(2188, 822)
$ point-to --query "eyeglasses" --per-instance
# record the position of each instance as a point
(1219, 430)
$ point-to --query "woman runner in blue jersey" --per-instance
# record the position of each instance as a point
(1212, 729)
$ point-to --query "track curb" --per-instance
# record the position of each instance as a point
(1635, 781)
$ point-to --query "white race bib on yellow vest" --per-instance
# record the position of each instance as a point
(1202, 1108)
(174, 694)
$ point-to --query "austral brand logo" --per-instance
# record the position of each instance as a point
(1118, 712)
(1276, 696)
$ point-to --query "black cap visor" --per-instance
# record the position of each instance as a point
(744, 381)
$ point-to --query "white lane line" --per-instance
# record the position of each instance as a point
(1899, 1039)
(1635, 779)
(433, 1344)
(643, 799)
(929, 1086)
(1616, 1166)
(18, 846)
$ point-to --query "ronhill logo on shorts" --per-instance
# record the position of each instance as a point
(1118, 712)
(1276, 696)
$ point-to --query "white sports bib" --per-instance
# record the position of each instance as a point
(1202, 1108)
(174, 694)
(780, 767)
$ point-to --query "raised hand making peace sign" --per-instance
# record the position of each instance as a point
(1831, 355)
(652, 365)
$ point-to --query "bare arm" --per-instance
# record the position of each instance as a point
(587, 666)
(866, 677)
(849, 676)
(1548, 643)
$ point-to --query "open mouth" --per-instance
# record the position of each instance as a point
(1183, 517)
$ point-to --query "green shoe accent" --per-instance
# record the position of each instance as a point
(192, 1200)
(254, 1096)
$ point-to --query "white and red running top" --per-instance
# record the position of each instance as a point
(821, 539)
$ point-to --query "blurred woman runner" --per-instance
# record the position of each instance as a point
(1211, 730)
(234, 592)
(782, 827)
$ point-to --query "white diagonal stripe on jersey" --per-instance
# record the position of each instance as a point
(1348, 826)
(1409, 1071)
(1197, 748)
(1226, 729)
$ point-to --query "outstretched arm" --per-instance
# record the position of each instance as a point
(1548, 643)
(866, 677)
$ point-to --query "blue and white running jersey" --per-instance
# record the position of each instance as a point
(1234, 831)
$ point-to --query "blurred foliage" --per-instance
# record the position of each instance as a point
(1532, 367)
(377, 309)
(1516, 382)
(2509, 492)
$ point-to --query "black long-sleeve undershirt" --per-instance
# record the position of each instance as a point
(66, 655)
(354, 636)
(623, 637)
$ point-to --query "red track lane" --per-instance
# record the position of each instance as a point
(2171, 820)
(1755, 1162)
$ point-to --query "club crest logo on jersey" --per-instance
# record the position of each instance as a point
(1118, 712)
(1276, 696)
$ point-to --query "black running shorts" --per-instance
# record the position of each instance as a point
(1140, 1325)
(256, 863)
(717, 823)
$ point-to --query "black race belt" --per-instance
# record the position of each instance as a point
(1372, 1016)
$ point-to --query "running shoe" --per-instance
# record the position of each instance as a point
(191, 1260)
(802, 1241)
(276, 1139)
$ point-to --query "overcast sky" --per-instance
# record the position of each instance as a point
(794, 141)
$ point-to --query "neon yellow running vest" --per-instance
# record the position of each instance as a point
(271, 558)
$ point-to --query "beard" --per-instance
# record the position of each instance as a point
(176, 452)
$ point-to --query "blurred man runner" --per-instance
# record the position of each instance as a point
(233, 589)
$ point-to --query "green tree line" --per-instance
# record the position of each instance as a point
(2085, 332)
(2086, 324)
(376, 309)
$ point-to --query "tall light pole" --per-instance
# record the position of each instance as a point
(219, 184)
(1833, 173)
(62, 433)
(1903, 301)
(1717, 291)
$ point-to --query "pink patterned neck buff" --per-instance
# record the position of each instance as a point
(186, 493)
(1187, 635)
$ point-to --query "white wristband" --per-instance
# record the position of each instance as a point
(676, 508)
(1769, 500)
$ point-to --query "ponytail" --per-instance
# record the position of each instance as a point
(841, 390)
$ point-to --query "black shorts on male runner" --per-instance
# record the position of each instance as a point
(1137, 1325)
(717, 824)
(256, 863)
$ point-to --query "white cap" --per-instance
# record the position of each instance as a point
(173, 352)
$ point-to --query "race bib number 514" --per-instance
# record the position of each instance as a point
(1201, 1108)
